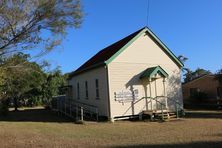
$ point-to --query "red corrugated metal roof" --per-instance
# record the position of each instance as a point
(105, 54)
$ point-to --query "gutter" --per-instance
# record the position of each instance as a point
(75, 73)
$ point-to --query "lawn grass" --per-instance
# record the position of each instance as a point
(41, 128)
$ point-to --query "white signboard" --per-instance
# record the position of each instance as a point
(126, 95)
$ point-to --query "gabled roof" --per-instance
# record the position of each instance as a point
(152, 71)
(200, 77)
(109, 53)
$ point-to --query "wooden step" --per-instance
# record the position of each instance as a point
(147, 112)
(172, 113)
(167, 115)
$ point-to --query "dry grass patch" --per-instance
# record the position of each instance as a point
(198, 132)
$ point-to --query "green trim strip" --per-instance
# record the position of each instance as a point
(150, 72)
(178, 62)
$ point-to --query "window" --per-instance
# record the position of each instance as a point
(78, 93)
(97, 88)
(69, 91)
(86, 87)
(194, 92)
(219, 92)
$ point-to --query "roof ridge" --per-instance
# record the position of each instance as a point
(109, 53)
(199, 77)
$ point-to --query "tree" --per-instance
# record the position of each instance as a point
(200, 72)
(36, 24)
(219, 76)
(28, 84)
(190, 75)
(182, 58)
(27, 24)
(187, 73)
(54, 81)
(19, 81)
(219, 71)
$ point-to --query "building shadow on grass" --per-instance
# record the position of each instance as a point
(204, 114)
(201, 144)
(34, 115)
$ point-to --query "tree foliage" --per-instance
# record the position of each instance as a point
(27, 83)
(187, 73)
(19, 81)
(219, 76)
(52, 87)
(190, 75)
(26, 24)
(182, 58)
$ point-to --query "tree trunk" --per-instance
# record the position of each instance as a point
(16, 103)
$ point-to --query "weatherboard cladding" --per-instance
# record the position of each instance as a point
(110, 52)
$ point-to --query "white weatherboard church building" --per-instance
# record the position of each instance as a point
(138, 73)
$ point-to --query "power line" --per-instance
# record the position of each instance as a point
(148, 11)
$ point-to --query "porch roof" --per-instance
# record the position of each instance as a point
(152, 71)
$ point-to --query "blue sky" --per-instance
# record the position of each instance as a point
(192, 28)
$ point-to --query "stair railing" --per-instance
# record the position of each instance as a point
(178, 106)
(162, 105)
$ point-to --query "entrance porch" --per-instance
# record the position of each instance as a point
(156, 98)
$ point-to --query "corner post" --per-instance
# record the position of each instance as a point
(151, 101)
(81, 113)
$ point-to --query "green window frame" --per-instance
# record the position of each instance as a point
(78, 91)
(97, 88)
(86, 89)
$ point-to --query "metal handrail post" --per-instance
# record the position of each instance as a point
(97, 115)
(162, 111)
(70, 109)
(77, 110)
(81, 113)
(177, 109)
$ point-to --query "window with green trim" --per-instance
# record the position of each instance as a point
(78, 93)
(86, 88)
(97, 88)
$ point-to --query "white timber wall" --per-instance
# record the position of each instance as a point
(124, 72)
(90, 76)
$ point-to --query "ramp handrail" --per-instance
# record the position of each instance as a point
(150, 99)
(75, 109)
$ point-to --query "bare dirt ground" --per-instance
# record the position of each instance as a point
(42, 128)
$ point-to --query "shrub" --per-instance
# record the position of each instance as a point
(3, 109)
